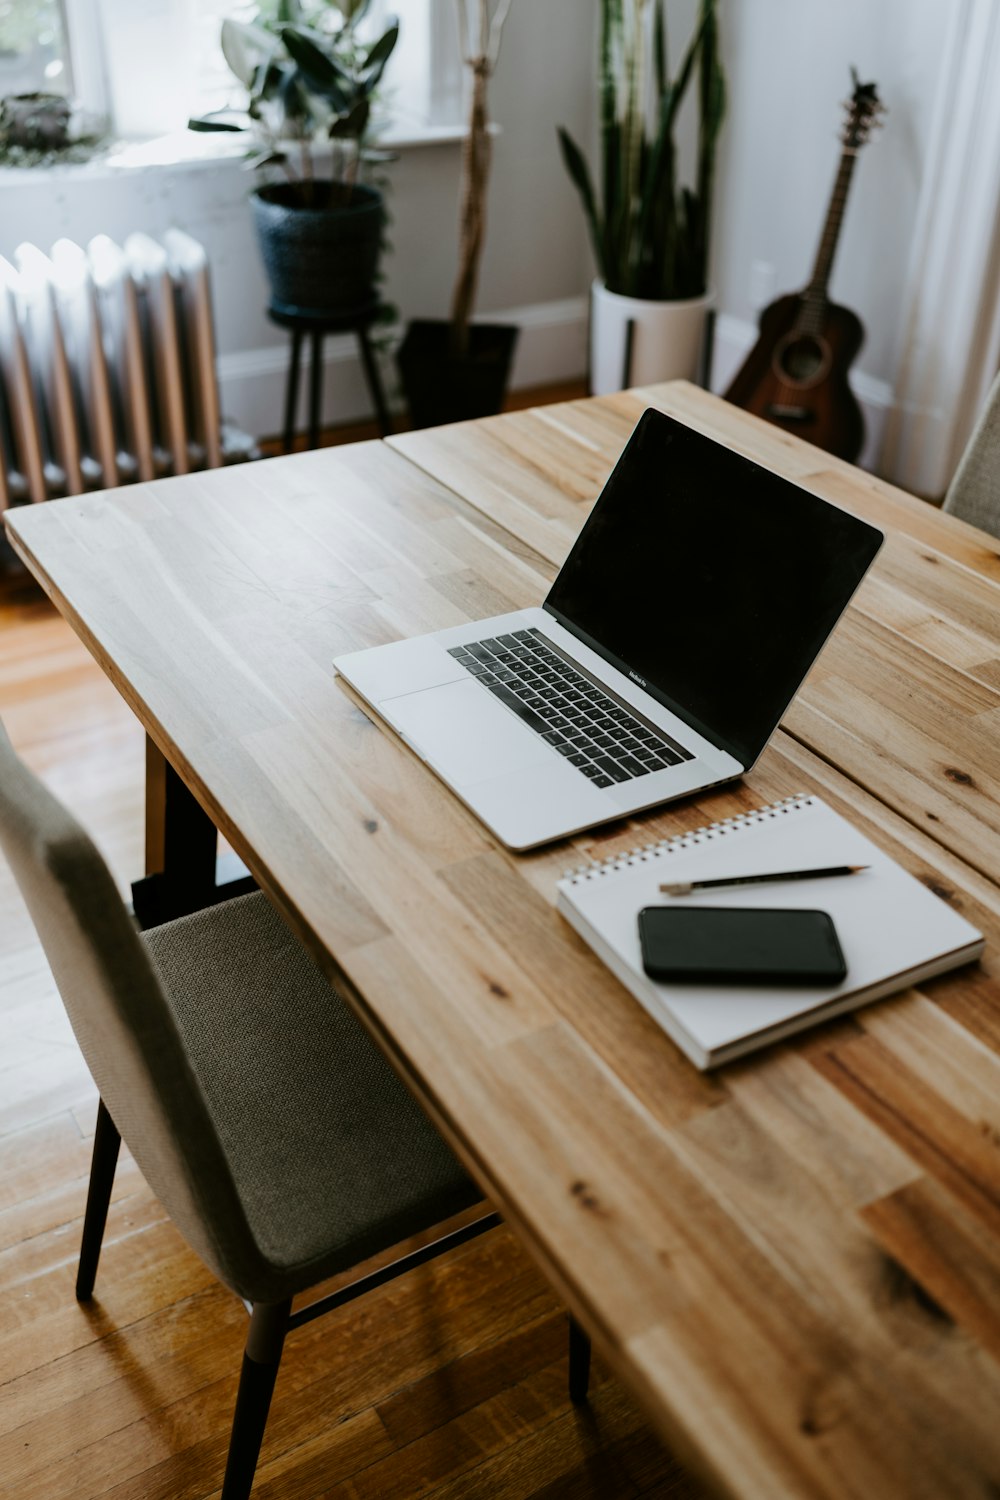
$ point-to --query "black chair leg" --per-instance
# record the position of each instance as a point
(265, 1341)
(102, 1177)
(579, 1362)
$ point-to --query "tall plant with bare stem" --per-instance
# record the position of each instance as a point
(480, 30)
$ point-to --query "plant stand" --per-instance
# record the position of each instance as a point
(634, 342)
(303, 321)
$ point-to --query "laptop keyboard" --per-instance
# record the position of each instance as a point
(596, 732)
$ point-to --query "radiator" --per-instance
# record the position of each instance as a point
(107, 367)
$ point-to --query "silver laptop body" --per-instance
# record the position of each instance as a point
(544, 725)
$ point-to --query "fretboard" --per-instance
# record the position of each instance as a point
(810, 318)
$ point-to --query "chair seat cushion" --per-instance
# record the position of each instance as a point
(332, 1158)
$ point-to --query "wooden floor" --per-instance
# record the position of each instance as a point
(450, 1383)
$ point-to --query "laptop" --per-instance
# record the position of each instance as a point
(697, 596)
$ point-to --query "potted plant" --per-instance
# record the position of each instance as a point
(650, 232)
(456, 369)
(310, 79)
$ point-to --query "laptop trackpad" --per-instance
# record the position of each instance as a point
(465, 732)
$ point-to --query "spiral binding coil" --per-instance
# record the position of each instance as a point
(661, 847)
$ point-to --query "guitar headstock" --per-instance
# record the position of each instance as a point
(864, 112)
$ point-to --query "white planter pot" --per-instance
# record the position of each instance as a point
(665, 345)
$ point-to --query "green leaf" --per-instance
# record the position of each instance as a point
(317, 65)
(712, 91)
(320, 71)
(214, 122)
(353, 125)
(293, 100)
(579, 173)
(245, 47)
(353, 10)
(374, 64)
(660, 48)
(265, 83)
(659, 186)
(690, 57)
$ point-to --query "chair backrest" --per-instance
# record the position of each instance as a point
(974, 493)
(122, 1019)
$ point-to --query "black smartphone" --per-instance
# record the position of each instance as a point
(740, 945)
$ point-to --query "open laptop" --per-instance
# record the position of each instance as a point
(693, 603)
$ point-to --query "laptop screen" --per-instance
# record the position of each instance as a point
(710, 580)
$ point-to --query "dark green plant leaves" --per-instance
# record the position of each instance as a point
(580, 173)
(374, 64)
(302, 79)
(320, 70)
(245, 46)
(352, 126)
(650, 234)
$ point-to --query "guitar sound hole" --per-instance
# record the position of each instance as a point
(802, 359)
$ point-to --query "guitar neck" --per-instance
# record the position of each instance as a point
(814, 297)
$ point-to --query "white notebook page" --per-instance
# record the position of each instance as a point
(887, 921)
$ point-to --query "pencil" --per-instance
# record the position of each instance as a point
(685, 887)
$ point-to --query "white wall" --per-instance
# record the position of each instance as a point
(788, 65)
(788, 69)
(535, 263)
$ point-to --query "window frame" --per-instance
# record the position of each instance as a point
(430, 102)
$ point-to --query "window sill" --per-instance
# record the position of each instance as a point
(189, 149)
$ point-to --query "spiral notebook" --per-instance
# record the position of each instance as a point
(893, 930)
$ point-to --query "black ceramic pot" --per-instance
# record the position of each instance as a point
(441, 387)
(320, 242)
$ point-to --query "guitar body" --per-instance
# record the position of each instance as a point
(798, 379)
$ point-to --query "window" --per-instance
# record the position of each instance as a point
(148, 65)
(33, 52)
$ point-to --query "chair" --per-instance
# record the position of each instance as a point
(974, 492)
(271, 1128)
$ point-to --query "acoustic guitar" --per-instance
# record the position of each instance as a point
(796, 374)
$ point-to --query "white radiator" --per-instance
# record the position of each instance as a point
(107, 367)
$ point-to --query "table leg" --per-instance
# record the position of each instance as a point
(579, 1362)
(181, 846)
(375, 383)
(315, 389)
(292, 390)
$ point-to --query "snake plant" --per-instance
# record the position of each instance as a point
(650, 231)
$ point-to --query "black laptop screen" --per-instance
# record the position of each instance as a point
(711, 580)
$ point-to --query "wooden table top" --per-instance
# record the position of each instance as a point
(793, 1262)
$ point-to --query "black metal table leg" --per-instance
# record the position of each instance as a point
(374, 383)
(579, 1362)
(185, 881)
(292, 390)
(315, 389)
(182, 844)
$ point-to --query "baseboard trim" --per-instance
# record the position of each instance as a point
(552, 348)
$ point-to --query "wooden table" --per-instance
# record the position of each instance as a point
(794, 1263)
